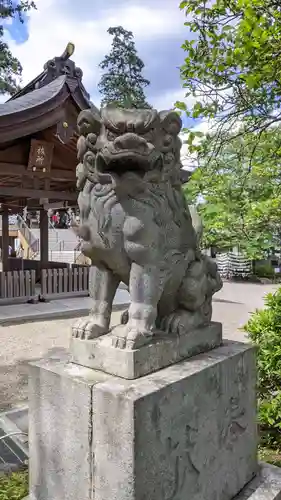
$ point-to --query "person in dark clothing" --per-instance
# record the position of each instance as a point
(63, 221)
(28, 219)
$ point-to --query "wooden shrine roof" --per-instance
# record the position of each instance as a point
(34, 111)
(42, 117)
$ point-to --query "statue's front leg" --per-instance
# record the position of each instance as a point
(102, 286)
(145, 286)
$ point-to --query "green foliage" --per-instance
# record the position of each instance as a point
(14, 486)
(122, 84)
(238, 194)
(265, 271)
(270, 456)
(232, 65)
(10, 67)
(264, 330)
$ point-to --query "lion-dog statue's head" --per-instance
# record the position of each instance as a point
(115, 144)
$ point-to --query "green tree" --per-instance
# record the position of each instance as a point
(123, 83)
(238, 193)
(10, 67)
(232, 65)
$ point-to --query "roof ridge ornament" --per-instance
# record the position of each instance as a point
(57, 69)
(68, 52)
(59, 66)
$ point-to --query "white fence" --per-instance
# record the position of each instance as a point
(232, 265)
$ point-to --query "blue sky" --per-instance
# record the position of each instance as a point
(17, 30)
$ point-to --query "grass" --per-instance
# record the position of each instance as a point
(270, 456)
(14, 486)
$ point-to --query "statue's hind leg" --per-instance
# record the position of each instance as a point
(194, 308)
(102, 285)
(194, 301)
(181, 321)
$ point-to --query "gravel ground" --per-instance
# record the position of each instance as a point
(30, 341)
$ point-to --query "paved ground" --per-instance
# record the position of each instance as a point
(234, 304)
(55, 309)
(29, 341)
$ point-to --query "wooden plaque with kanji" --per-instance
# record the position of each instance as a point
(40, 156)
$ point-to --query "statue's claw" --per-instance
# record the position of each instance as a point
(124, 337)
(172, 324)
(181, 321)
(88, 329)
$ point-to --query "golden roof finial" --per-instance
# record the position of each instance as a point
(68, 52)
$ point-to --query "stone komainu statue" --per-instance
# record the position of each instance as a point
(136, 227)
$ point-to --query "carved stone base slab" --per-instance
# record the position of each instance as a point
(163, 351)
(266, 485)
(185, 432)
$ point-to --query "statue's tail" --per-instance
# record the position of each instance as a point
(200, 283)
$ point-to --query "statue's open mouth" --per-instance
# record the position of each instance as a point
(121, 163)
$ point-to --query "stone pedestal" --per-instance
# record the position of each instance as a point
(163, 350)
(184, 432)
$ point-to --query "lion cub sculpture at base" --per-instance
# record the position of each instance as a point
(136, 227)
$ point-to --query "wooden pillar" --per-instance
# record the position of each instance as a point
(5, 238)
(44, 238)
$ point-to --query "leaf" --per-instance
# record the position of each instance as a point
(180, 105)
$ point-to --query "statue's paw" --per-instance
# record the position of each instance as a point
(178, 322)
(88, 329)
(124, 337)
(171, 324)
(124, 317)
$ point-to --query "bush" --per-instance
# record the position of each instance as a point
(14, 486)
(264, 330)
(265, 271)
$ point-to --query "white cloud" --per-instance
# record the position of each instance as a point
(205, 127)
(52, 26)
(8, 21)
(189, 160)
(168, 99)
(3, 98)
(144, 22)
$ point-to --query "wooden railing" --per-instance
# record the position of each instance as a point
(17, 287)
(62, 283)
